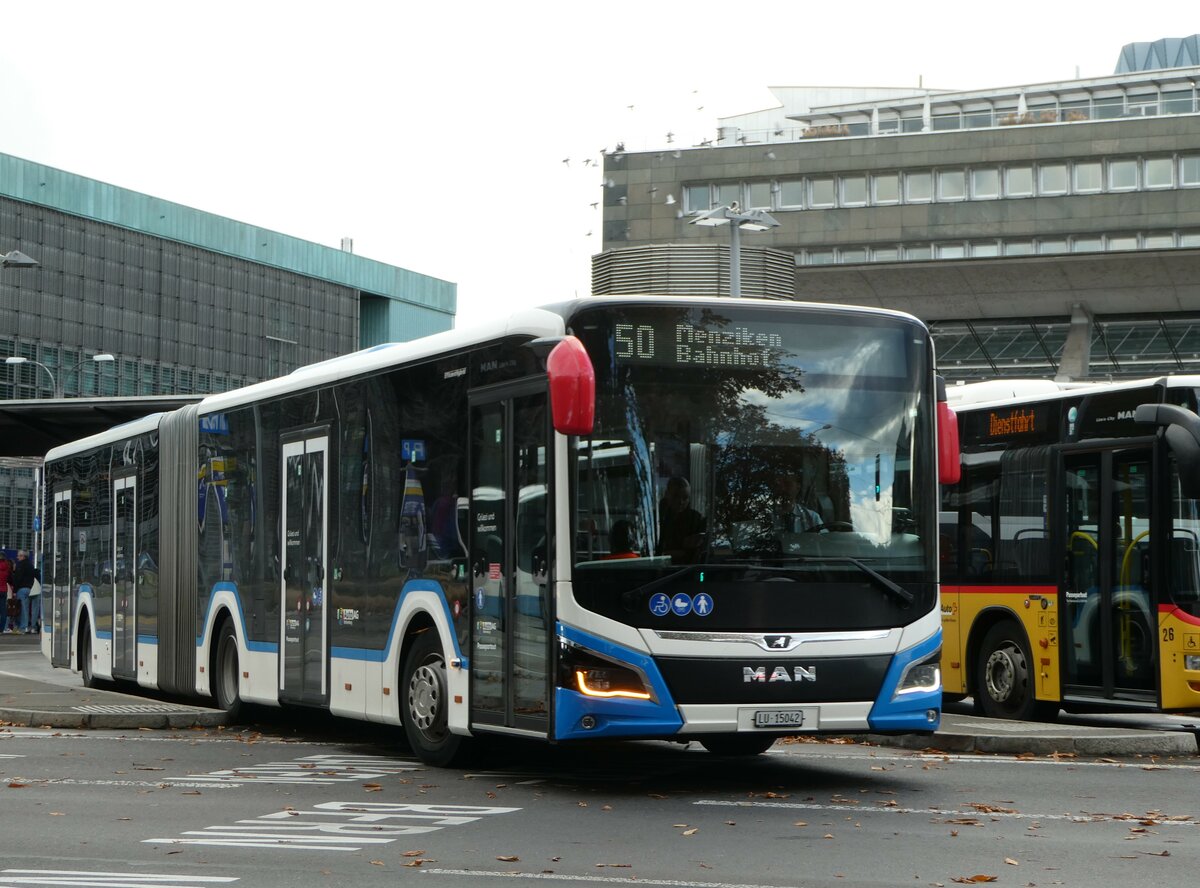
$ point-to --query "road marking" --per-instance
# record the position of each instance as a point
(84, 879)
(608, 880)
(334, 826)
(935, 812)
(322, 770)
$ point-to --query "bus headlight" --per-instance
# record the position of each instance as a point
(593, 675)
(921, 676)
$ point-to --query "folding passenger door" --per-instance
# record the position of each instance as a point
(511, 609)
(1109, 606)
(58, 595)
(304, 629)
(124, 577)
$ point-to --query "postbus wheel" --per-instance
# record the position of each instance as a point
(424, 704)
(738, 744)
(1005, 676)
(225, 672)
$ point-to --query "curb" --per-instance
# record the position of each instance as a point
(81, 718)
(1124, 743)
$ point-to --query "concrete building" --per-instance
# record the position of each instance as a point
(1047, 229)
(184, 302)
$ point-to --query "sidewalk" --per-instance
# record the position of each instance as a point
(34, 703)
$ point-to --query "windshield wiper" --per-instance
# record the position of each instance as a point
(884, 583)
(894, 588)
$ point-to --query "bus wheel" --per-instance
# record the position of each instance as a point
(1004, 677)
(85, 656)
(425, 702)
(225, 673)
(738, 744)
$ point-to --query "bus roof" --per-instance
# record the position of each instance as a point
(996, 392)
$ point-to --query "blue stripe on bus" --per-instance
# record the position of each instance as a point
(614, 716)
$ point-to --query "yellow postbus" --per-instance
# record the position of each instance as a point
(1070, 548)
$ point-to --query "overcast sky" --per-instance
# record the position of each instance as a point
(434, 133)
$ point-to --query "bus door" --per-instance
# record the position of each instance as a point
(1109, 603)
(61, 581)
(304, 630)
(124, 573)
(511, 608)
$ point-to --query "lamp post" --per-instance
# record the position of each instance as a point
(751, 220)
(17, 259)
(18, 360)
(101, 358)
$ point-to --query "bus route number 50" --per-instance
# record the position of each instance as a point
(634, 342)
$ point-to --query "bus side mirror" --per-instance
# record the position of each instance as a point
(1182, 431)
(949, 453)
(572, 387)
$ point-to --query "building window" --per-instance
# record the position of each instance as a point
(1018, 248)
(820, 257)
(791, 193)
(1158, 172)
(852, 255)
(918, 187)
(1018, 181)
(912, 124)
(1121, 242)
(1052, 245)
(885, 254)
(984, 249)
(697, 198)
(1158, 241)
(1088, 244)
(951, 251)
(758, 195)
(1052, 178)
(1189, 239)
(1087, 177)
(1108, 107)
(918, 252)
(1189, 169)
(951, 184)
(820, 193)
(1177, 101)
(886, 187)
(951, 121)
(985, 183)
(1122, 175)
(729, 193)
(854, 191)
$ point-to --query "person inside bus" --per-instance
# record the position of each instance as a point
(791, 513)
(620, 541)
(681, 528)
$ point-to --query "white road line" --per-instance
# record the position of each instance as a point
(105, 880)
(933, 812)
(608, 880)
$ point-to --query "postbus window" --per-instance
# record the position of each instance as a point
(1022, 544)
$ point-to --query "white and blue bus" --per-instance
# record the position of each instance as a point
(581, 522)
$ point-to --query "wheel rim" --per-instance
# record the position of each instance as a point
(426, 698)
(1006, 673)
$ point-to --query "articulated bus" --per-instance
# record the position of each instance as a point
(1070, 548)
(563, 526)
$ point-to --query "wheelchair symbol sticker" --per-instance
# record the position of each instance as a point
(681, 604)
(660, 604)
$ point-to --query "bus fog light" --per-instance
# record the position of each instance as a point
(587, 722)
(931, 716)
(1192, 661)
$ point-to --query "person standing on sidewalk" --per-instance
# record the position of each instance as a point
(35, 604)
(5, 576)
(22, 580)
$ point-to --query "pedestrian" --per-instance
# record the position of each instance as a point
(35, 603)
(23, 576)
(5, 590)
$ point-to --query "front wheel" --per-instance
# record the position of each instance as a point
(85, 657)
(738, 744)
(1005, 676)
(425, 703)
(225, 673)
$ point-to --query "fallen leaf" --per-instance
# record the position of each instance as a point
(376, 863)
(691, 832)
(617, 865)
(1011, 862)
(508, 858)
(1158, 853)
(413, 853)
(971, 880)
(372, 787)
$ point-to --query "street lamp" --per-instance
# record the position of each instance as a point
(17, 259)
(18, 360)
(751, 220)
(101, 358)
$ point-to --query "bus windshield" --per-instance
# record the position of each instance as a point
(784, 449)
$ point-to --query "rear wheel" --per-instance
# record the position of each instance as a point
(85, 656)
(738, 744)
(1005, 677)
(225, 673)
(425, 702)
